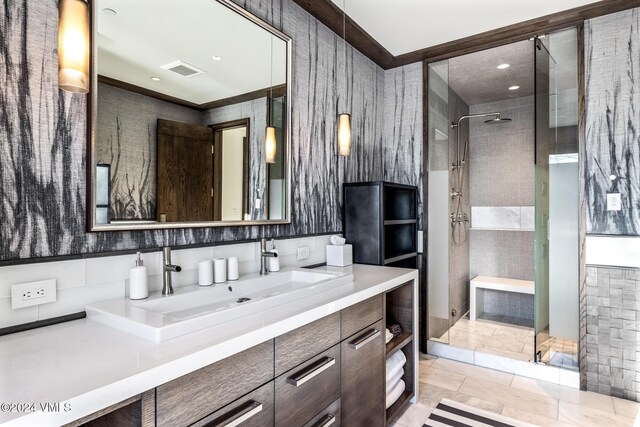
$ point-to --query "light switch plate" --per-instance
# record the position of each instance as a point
(303, 252)
(33, 293)
(614, 202)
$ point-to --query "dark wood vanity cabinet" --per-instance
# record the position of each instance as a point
(328, 372)
(363, 370)
(192, 397)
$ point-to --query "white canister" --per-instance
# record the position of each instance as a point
(205, 272)
(219, 270)
(232, 268)
(274, 262)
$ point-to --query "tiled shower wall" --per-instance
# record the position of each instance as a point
(458, 253)
(501, 169)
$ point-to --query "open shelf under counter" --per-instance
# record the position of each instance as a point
(398, 343)
(399, 407)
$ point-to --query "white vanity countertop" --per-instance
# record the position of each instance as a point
(90, 366)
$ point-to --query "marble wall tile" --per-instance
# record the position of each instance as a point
(612, 67)
(503, 217)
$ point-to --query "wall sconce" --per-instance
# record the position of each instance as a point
(344, 135)
(73, 46)
(270, 145)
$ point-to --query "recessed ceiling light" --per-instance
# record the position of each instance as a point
(108, 11)
(217, 58)
(503, 66)
(516, 87)
(155, 79)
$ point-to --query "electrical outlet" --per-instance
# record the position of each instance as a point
(33, 293)
(303, 252)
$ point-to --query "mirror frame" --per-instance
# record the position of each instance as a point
(92, 106)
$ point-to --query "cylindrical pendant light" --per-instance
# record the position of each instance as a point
(270, 145)
(344, 135)
(270, 135)
(73, 46)
(344, 119)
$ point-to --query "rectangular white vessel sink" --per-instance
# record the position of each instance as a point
(192, 308)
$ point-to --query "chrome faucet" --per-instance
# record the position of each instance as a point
(264, 254)
(167, 269)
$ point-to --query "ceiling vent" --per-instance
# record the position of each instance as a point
(183, 68)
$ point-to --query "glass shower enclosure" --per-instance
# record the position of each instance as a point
(555, 171)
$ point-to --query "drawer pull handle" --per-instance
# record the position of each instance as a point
(326, 421)
(311, 371)
(362, 341)
(243, 413)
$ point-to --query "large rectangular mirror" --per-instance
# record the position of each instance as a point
(182, 94)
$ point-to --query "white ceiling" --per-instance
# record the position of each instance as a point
(146, 34)
(477, 80)
(403, 26)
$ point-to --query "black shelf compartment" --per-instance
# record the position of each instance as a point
(399, 240)
(400, 202)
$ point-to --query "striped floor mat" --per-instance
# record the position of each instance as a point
(449, 413)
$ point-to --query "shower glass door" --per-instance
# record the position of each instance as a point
(438, 305)
(543, 135)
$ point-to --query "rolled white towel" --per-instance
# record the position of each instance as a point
(388, 336)
(395, 363)
(395, 393)
(391, 381)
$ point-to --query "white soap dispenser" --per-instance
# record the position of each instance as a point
(138, 288)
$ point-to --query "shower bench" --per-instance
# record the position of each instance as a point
(480, 283)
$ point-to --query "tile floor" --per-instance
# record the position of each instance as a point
(486, 336)
(508, 340)
(521, 398)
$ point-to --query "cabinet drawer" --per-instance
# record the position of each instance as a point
(361, 315)
(253, 410)
(363, 378)
(305, 342)
(328, 417)
(305, 390)
(194, 396)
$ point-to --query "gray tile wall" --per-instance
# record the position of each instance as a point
(507, 254)
(612, 331)
(458, 253)
(502, 174)
(501, 156)
(508, 304)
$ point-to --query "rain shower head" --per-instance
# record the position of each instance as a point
(497, 120)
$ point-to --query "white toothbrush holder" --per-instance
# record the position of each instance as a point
(219, 270)
(232, 268)
(205, 273)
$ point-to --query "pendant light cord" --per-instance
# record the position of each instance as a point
(271, 82)
(344, 39)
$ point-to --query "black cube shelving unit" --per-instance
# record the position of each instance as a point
(380, 220)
